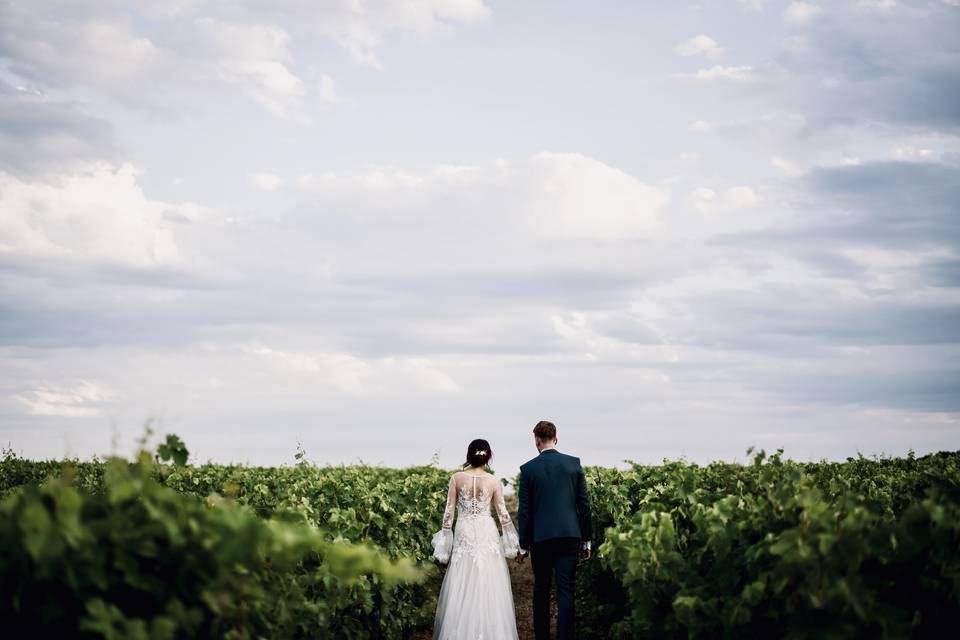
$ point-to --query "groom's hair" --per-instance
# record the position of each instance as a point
(545, 431)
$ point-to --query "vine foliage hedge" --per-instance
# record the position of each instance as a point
(157, 548)
(857, 549)
(119, 550)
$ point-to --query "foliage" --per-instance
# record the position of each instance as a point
(173, 449)
(782, 549)
(136, 559)
(772, 548)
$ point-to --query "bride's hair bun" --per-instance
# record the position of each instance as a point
(478, 453)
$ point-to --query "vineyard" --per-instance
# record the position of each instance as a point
(157, 548)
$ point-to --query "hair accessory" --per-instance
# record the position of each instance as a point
(480, 452)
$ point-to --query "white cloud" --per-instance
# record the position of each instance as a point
(68, 50)
(254, 57)
(96, 214)
(375, 178)
(193, 51)
(702, 126)
(704, 199)
(82, 398)
(915, 154)
(304, 180)
(265, 180)
(877, 6)
(700, 45)
(709, 201)
(84, 48)
(353, 375)
(777, 127)
(738, 74)
(343, 370)
(797, 44)
(740, 197)
(788, 167)
(424, 373)
(567, 195)
(327, 89)
(801, 13)
(577, 196)
(361, 31)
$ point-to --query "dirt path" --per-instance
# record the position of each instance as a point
(522, 578)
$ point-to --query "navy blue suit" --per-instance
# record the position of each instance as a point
(552, 520)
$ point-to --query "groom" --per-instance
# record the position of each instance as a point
(553, 517)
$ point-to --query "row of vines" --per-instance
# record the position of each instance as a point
(157, 548)
(865, 548)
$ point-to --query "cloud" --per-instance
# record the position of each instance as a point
(168, 61)
(737, 74)
(579, 197)
(857, 68)
(708, 201)
(85, 398)
(483, 265)
(424, 373)
(362, 31)
(328, 90)
(354, 375)
(265, 180)
(94, 215)
(857, 223)
(902, 203)
(774, 127)
(40, 134)
(877, 6)
(543, 227)
(343, 370)
(64, 46)
(786, 165)
(257, 58)
(550, 194)
(700, 45)
(791, 263)
(801, 13)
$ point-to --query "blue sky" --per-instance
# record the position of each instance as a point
(383, 229)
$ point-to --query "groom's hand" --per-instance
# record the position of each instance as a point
(585, 554)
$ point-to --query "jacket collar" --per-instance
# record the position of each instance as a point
(551, 449)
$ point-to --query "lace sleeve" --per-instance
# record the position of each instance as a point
(443, 539)
(509, 538)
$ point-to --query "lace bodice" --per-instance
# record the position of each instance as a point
(470, 497)
(473, 503)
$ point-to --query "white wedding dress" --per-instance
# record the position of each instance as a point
(476, 601)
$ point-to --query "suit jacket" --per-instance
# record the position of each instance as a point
(553, 499)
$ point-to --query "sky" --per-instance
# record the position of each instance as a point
(381, 229)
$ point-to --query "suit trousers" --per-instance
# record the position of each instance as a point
(554, 556)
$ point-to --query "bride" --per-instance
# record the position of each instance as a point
(476, 602)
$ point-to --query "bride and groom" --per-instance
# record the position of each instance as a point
(553, 526)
